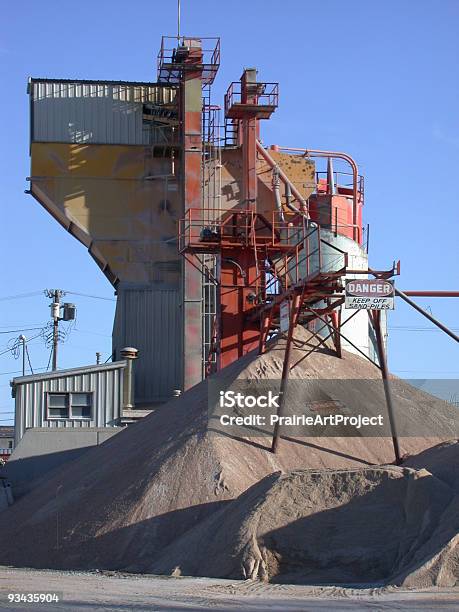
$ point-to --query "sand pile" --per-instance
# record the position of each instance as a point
(442, 461)
(375, 525)
(123, 503)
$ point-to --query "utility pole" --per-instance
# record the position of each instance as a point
(69, 312)
(23, 340)
(55, 312)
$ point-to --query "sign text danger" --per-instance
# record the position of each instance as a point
(375, 294)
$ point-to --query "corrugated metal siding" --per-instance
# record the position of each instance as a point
(102, 113)
(151, 321)
(106, 386)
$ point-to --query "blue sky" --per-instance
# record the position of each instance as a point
(375, 79)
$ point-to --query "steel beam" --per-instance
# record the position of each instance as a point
(191, 116)
(295, 308)
(344, 337)
(432, 293)
(375, 318)
(426, 314)
(335, 318)
(265, 327)
(249, 139)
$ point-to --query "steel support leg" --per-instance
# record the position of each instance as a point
(265, 326)
(295, 309)
(335, 317)
(375, 318)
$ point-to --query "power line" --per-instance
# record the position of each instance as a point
(13, 331)
(49, 360)
(19, 324)
(34, 293)
(12, 348)
(95, 297)
(18, 372)
(430, 371)
(19, 296)
(417, 329)
(7, 351)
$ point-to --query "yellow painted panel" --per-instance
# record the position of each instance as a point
(107, 192)
(300, 171)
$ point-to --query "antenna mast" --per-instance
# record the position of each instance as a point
(178, 22)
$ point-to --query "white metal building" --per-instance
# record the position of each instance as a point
(86, 397)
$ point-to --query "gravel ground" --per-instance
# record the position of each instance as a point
(119, 592)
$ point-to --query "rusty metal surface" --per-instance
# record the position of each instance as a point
(300, 171)
(192, 198)
(105, 196)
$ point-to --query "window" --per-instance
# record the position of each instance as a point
(70, 406)
(58, 405)
(81, 405)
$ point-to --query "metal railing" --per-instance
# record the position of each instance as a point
(211, 204)
(303, 262)
(302, 252)
(331, 155)
(171, 65)
(267, 95)
(342, 180)
(235, 227)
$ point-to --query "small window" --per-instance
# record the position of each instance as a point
(70, 406)
(81, 404)
(58, 405)
(10, 443)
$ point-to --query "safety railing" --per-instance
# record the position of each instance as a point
(172, 57)
(311, 257)
(330, 156)
(267, 95)
(208, 228)
(342, 182)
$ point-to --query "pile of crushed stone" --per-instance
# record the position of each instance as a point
(123, 504)
(375, 525)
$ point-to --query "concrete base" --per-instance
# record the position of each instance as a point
(42, 450)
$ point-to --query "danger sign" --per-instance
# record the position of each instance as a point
(375, 294)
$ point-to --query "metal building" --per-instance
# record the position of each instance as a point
(104, 164)
(77, 398)
(6, 442)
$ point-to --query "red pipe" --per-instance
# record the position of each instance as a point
(271, 162)
(355, 175)
(432, 293)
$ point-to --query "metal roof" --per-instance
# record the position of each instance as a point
(20, 380)
(101, 82)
